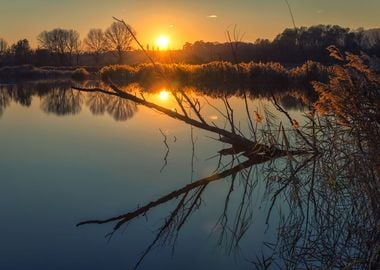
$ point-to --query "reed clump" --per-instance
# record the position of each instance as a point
(217, 74)
(352, 96)
(29, 72)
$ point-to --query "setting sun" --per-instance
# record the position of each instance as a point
(162, 42)
(164, 95)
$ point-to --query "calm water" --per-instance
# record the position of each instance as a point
(72, 157)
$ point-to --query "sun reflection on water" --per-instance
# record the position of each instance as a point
(164, 95)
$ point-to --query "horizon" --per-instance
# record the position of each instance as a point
(181, 21)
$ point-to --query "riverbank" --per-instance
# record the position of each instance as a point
(29, 72)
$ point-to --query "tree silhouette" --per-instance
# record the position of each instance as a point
(21, 51)
(3, 46)
(73, 43)
(118, 39)
(96, 43)
(60, 42)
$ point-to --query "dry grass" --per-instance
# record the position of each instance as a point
(29, 72)
(222, 75)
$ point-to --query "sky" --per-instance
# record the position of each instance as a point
(182, 21)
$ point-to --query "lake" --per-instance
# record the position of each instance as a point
(69, 156)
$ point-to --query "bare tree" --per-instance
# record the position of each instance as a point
(78, 50)
(54, 40)
(60, 41)
(73, 43)
(95, 43)
(119, 38)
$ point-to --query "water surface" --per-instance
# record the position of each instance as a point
(68, 156)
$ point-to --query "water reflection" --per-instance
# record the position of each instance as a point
(121, 110)
(5, 99)
(315, 184)
(317, 179)
(60, 99)
(97, 103)
(164, 95)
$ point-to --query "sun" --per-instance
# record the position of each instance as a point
(162, 42)
(164, 95)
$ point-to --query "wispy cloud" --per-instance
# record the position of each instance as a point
(213, 16)
(320, 11)
(171, 25)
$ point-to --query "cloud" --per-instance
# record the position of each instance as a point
(171, 25)
(320, 11)
(213, 16)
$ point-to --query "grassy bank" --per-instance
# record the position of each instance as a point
(29, 72)
(214, 75)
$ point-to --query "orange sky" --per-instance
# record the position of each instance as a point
(182, 21)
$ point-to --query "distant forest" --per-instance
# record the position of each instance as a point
(61, 47)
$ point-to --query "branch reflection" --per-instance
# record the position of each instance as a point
(320, 178)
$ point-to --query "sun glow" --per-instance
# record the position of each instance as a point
(164, 95)
(162, 42)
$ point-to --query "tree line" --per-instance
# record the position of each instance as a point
(291, 46)
(63, 47)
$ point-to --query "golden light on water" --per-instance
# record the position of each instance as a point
(162, 42)
(164, 95)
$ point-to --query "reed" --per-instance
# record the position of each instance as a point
(218, 75)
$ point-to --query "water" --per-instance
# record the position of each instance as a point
(66, 158)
